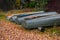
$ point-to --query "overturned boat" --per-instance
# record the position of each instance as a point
(41, 22)
(19, 20)
(14, 16)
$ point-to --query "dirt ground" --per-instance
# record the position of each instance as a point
(12, 31)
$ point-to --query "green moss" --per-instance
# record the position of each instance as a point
(2, 16)
(55, 31)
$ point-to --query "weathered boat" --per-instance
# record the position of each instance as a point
(14, 16)
(20, 19)
(41, 22)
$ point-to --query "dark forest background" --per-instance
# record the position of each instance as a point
(6, 5)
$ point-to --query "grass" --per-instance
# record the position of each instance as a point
(54, 31)
(2, 16)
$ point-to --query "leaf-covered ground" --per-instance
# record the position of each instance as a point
(12, 31)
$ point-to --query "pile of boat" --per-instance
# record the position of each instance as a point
(39, 20)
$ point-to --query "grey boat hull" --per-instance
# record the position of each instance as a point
(14, 16)
(42, 22)
(20, 20)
